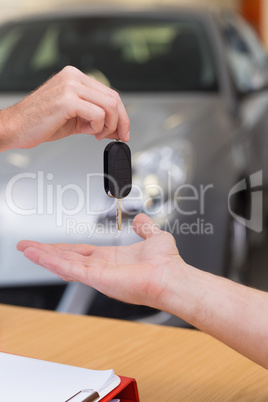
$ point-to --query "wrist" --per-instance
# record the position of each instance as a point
(8, 130)
(180, 290)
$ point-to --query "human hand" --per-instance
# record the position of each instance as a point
(68, 103)
(137, 274)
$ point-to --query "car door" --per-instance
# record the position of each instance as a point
(249, 70)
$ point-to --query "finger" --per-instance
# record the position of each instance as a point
(145, 227)
(106, 134)
(23, 244)
(56, 251)
(92, 114)
(121, 133)
(108, 99)
(70, 73)
(83, 249)
(92, 83)
(109, 103)
(65, 269)
(123, 125)
(113, 136)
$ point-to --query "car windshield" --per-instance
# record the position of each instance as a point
(129, 54)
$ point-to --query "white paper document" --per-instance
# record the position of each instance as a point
(31, 380)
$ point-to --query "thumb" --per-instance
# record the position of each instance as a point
(145, 227)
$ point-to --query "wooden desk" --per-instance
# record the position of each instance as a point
(169, 364)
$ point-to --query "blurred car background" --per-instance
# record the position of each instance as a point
(194, 83)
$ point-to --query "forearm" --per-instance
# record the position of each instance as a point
(152, 273)
(232, 313)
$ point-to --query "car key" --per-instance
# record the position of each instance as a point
(117, 174)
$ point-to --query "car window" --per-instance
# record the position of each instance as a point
(246, 55)
(126, 53)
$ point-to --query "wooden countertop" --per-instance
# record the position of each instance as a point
(169, 364)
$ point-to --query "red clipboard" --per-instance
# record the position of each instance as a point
(126, 391)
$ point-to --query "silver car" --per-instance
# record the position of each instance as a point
(193, 83)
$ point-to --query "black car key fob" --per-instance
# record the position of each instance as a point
(117, 170)
(117, 174)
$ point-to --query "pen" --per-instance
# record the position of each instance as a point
(91, 398)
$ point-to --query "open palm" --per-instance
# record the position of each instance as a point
(128, 273)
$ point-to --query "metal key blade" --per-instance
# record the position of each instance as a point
(119, 215)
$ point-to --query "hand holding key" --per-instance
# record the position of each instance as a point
(69, 103)
(117, 174)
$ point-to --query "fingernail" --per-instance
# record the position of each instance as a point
(128, 135)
